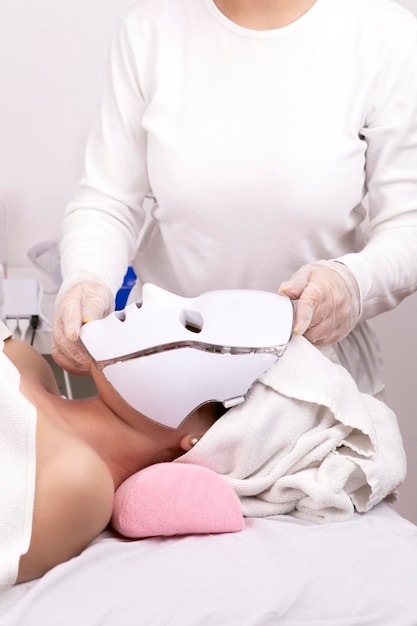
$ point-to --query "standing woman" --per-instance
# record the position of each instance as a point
(278, 139)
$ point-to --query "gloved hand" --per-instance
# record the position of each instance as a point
(328, 301)
(77, 304)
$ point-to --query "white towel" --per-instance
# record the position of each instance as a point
(305, 441)
(17, 470)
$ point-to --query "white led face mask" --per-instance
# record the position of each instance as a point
(168, 355)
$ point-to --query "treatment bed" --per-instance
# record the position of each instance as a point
(278, 570)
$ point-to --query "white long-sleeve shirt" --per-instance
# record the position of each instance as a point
(265, 150)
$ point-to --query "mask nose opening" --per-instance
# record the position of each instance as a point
(192, 321)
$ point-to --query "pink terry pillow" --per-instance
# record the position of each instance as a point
(175, 499)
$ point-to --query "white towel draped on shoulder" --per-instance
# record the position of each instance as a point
(17, 469)
(305, 441)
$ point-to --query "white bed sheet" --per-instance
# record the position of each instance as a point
(279, 570)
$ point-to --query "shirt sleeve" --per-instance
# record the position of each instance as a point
(386, 269)
(104, 217)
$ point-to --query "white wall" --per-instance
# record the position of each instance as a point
(411, 5)
(52, 58)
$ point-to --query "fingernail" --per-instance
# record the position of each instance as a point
(86, 320)
(71, 334)
(300, 328)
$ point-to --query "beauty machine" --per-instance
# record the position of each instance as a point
(167, 355)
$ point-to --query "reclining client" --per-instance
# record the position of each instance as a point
(84, 450)
(306, 441)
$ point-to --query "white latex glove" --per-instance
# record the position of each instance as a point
(77, 304)
(328, 305)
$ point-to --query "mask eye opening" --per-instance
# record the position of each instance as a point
(192, 321)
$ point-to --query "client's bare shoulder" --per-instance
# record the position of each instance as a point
(33, 367)
(66, 464)
(55, 430)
